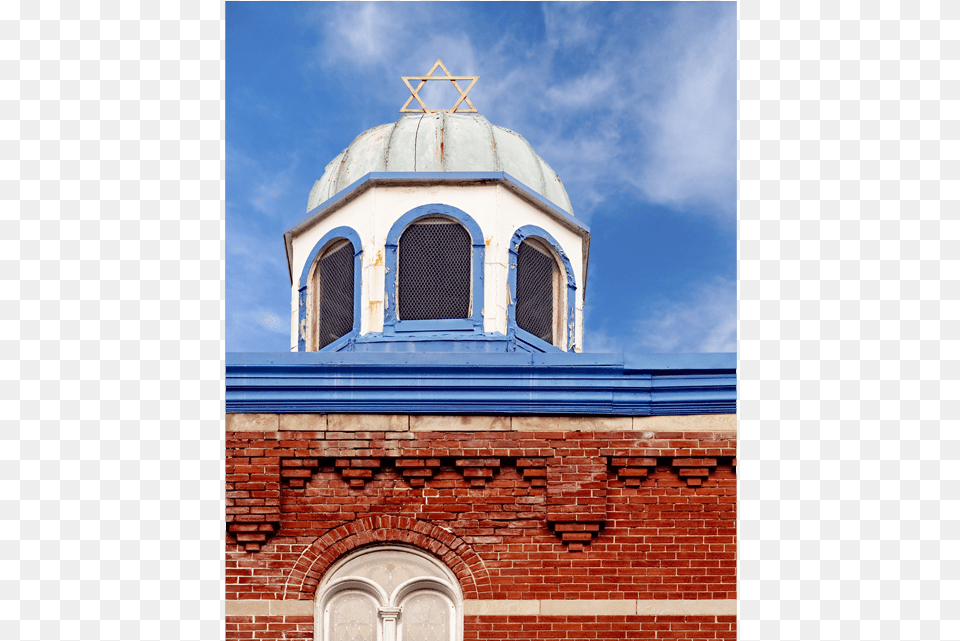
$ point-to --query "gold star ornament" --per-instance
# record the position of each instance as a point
(423, 81)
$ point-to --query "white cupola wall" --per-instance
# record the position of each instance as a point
(438, 232)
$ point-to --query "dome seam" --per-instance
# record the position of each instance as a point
(416, 141)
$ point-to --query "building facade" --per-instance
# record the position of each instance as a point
(436, 459)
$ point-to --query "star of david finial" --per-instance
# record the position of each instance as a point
(423, 81)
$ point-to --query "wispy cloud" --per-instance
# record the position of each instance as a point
(610, 111)
(247, 327)
(265, 189)
(692, 129)
(390, 36)
(702, 320)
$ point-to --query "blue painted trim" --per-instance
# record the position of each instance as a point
(439, 325)
(534, 343)
(481, 383)
(337, 233)
(387, 178)
(391, 323)
(532, 231)
(440, 341)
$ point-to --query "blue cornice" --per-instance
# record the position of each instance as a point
(481, 383)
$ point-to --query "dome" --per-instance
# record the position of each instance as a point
(440, 142)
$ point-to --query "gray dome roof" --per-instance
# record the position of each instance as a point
(439, 142)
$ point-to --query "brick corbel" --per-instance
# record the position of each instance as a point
(576, 498)
(477, 471)
(694, 470)
(357, 471)
(417, 471)
(253, 498)
(632, 470)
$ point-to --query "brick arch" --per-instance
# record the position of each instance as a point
(451, 550)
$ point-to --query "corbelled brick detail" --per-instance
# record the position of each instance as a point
(576, 498)
(632, 471)
(694, 470)
(253, 489)
(658, 538)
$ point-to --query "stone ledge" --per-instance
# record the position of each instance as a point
(517, 607)
(253, 422)
(586, 607)
(648, 425)
(458, 423)
(252, 607)
(601, 607)
(500, 607)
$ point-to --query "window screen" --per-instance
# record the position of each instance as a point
(537, 275)
(334, 290)
(434, 271)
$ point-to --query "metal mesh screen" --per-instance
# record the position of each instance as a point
(434, 272)
(335, 304)
(536, 273)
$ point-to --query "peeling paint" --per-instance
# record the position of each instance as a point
(378, 259)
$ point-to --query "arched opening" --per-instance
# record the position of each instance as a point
(389, 593)
(540, 292)
(329, 291)
(434, 256)
(330, 313)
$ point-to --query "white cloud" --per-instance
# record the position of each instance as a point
(274, 323)
(246, 328)
(692, 142)
(705, 320)
(652, 114)
(364, 34)
(403, 38)
(263, 189)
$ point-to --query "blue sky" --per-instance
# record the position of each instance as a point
(632, 104)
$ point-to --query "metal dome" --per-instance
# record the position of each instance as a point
(440, 142)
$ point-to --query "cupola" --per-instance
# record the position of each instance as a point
(438, 232)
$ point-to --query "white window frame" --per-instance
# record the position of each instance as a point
(389, 606)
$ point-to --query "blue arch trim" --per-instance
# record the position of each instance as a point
(570, 322)
(337, 233)
(391, 321)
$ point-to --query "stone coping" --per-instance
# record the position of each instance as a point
(713, 423)
(534, 607)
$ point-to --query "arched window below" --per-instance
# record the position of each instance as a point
(389, 593)
(333, 291)
(433, 258)
(539, 292)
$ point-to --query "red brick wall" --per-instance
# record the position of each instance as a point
(614, 628)
(269, 628)
(516, 515)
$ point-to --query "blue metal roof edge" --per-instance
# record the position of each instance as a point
(481, 383)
